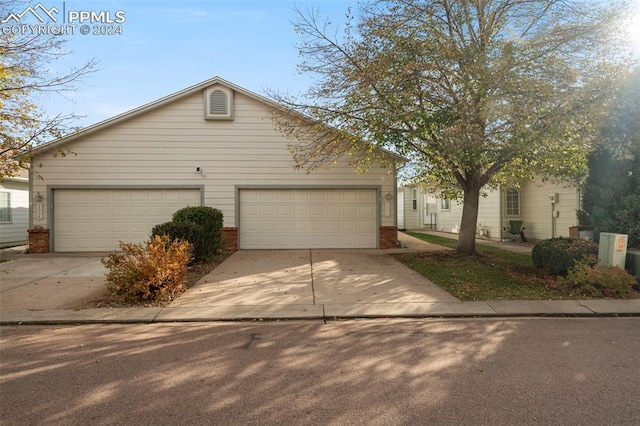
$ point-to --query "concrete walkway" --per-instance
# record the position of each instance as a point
(273, 285)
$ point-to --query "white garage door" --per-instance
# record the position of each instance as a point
(96, 219)
(307, 218)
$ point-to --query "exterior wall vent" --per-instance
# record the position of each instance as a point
(218, 103)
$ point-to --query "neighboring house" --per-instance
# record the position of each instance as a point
(212, 144)
(546, 210)
(14, 210)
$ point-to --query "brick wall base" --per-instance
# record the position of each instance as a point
(38, 240)
(388, 237)
(230, 237)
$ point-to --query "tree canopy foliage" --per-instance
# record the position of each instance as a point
(611, 198)
(25, 62)
(474, 92)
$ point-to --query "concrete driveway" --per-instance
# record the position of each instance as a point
(37, 282)
(261, 280)
(311, 277)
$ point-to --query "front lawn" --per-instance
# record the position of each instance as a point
(494, 275)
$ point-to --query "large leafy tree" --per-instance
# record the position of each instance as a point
(25, 77)
(473, 92)
(611, 197)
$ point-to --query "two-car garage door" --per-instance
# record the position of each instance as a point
(307, 218)
(96, 219)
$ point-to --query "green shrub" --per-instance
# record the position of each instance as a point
(211, 221)
(558, 255)
(185, 231)
(151, 273)
(600, 280)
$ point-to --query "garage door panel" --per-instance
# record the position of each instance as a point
(284, 240)
(315, 196)
(267, 210)
(334, 210)
(283, 210)
(300, 210)
(283, 225)
(300, 225)
(350, 225)
(308, 218)
(266, 225)
(267, 196)
(96, 219)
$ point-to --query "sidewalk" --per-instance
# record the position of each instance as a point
(558, 308)
(328, 308)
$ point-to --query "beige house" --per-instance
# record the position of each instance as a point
(14, 210)
(211, 144)
(546, 210)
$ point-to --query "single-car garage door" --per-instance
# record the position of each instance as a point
(96, 219)
(307, 218)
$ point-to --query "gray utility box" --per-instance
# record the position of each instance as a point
(613, 249)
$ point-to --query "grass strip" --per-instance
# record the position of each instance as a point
(496, 274)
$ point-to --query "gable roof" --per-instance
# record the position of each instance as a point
(144, 109)
(157, 104)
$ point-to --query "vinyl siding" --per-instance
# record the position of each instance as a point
(163, 147)
(401, 208)
(414, 219)
(411, 216)
(488, 214)
(16, 230)
(536, 210)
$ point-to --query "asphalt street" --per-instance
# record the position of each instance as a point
(524, 371)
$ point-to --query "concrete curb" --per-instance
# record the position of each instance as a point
(500, 308)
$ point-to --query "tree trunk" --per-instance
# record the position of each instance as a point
(467, 236)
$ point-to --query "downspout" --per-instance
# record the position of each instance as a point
(500, 213)
(31, 204)
(395, 193)
(553, 220)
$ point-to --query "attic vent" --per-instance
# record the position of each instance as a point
(218, 102)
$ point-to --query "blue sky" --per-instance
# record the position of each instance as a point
(166, 46)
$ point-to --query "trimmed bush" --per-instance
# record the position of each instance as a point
(185, 231)
(211, 221)
(558, 255)
(600, 280)
(151, 273)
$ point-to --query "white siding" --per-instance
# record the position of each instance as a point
(488, 214)
(536, 210)
(164, 146)
(400, 203)
(411, 215)
(418, 218)
(16, 230)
